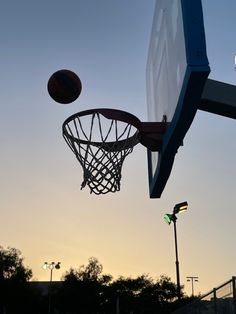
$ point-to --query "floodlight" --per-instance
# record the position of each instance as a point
(45, 265)
(168, 218)
(52, 265)
(180, 207)
(57, 266)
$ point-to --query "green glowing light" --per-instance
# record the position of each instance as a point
(168, 218)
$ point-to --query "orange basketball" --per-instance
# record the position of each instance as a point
(64, 86)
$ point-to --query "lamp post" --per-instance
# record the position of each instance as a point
(50, 266)
(179, 208)
(192, 279)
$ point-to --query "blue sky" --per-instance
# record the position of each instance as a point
(43, 211)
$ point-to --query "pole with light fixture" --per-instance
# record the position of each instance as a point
(50, 266)
(192, 279)
(179, 208)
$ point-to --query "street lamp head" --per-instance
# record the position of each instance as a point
(45, 265)
(168, 218)
(181, 207)
(51, 265)
(57, 266)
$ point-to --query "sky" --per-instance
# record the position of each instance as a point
(43, 211)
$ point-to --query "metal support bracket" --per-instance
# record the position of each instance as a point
(219, 98)
(151, 134)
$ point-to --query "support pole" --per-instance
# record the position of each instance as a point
(234, 294)
(177, 261)
(50, 292)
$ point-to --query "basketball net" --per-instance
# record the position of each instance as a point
(101, 145)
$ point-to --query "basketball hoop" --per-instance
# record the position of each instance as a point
(101, 139)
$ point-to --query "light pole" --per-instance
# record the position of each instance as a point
(181, 207)
(50, 266)
(193, 279)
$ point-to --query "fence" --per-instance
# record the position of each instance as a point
(221, 300)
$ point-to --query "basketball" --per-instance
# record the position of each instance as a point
(64, 86)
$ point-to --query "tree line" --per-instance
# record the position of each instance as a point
(83, 290)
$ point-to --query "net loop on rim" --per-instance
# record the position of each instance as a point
(101, 139)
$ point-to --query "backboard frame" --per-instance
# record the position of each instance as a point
(196, 73)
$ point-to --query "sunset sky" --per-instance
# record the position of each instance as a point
(43, 211)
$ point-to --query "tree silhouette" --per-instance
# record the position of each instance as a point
(14, 276)
(87, 291)
(83, 288)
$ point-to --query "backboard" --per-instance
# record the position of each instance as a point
(177, 69)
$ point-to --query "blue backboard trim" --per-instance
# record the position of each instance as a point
(193, 86)
(196, 74)
(194, 33)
